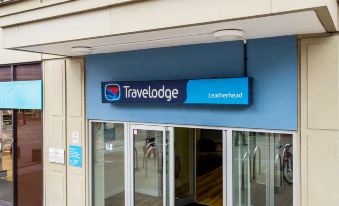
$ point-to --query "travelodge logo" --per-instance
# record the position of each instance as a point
(112, 92)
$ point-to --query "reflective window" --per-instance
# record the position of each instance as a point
(29, 157)
(262, 169)
(5, 74)
(26, 151)
(27, 72)
(108, 166)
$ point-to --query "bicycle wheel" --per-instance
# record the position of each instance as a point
(288, 168)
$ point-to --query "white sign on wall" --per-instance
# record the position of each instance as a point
(75, 137)
(56, 155)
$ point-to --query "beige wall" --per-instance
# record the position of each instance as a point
(27, 28)
(64, 115)
(320, 121)
(13, 57)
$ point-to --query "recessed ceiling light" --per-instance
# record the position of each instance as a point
(81, 50)
(229, 35)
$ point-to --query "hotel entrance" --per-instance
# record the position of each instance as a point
(157, 165)
(136, 164)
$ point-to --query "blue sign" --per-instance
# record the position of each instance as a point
(21, 95)
(235, 91)
(75, 156)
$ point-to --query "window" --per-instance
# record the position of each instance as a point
(21, 167)
(108, 163)
(262, 168)
(5, 74)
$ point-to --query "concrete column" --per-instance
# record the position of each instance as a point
(319, 121)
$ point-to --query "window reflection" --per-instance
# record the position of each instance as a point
(29, 157)
(5, 74)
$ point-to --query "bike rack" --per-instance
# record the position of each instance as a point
(156, 157)
(256, 150)
(149, 144)
(243, 170)
(278, 157)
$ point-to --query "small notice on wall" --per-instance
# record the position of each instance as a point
(56, 155)
(75, 137)
(75, 156)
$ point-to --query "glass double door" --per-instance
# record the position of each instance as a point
(175, 166)
(149, 165)
(131, 164)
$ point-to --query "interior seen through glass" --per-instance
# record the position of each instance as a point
(198, 166)
(108, 180)
(262, 167)
(148, 167)
(6, 157)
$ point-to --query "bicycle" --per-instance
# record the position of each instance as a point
(287, 164)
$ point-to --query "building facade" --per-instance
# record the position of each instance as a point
(169, 103)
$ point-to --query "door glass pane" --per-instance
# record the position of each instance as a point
(29, 157)
(108, 166)
(6, 157)
(148, 167)
(258, 162)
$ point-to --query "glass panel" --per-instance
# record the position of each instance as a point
(27, 72)
(148, 167)
(108, 166)
(258, 163)
(184, 164)
(29, 157)
(5, 74)
(284, 170)
(6, 157)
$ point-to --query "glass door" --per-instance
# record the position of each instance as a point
(150, 165)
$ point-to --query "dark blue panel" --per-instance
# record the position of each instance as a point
(272, 62)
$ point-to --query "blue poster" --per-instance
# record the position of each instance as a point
(75, 156)
(227, 91)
